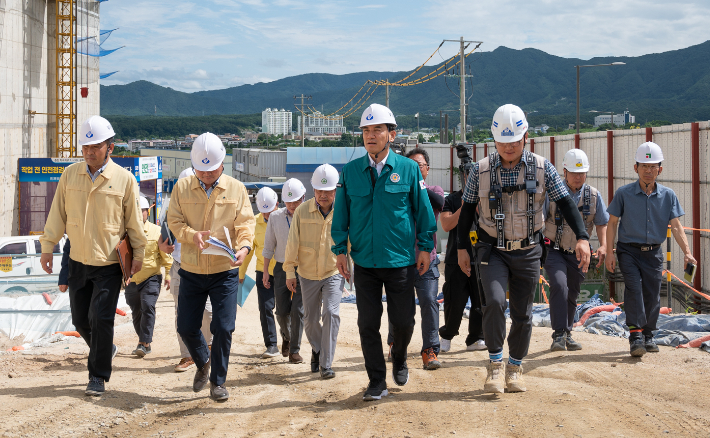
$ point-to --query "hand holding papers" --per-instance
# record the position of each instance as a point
(217, 247)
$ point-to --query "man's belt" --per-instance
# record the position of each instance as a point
(644, 246)
(510, 245)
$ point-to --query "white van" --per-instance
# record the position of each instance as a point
(20, 256)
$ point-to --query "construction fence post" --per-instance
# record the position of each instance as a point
(669, 286)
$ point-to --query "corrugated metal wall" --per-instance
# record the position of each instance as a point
(675, 141)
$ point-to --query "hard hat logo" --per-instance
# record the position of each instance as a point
(324, 181)
(370, 117)
(290, 194)
(648, 155)
(579, 164)
(89, 134)
(519, 123)
(205, 161)
(507, 133)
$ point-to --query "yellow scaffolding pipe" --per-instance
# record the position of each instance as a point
(66, 84)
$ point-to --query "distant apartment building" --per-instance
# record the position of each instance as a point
(250, 137)
(276, 122)
(619, 119)
(317, 123)
(155, 144)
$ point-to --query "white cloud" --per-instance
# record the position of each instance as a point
(236, 41)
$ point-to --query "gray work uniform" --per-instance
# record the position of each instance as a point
(562, 266)
(516, 269)
(643, 227)
(323, 338)
(289, 311)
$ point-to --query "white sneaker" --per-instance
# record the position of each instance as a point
(444, 345)
(477, 346)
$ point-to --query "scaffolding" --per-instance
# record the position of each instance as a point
(66, 84)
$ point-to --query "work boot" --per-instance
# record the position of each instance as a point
(185, 364)
(218, 392)
(572, 345)
(95, 386)
(494, 380)
(201, 376)
(514, 378)
(637, 345)
(558, 341)
(295, 358)
(327, 373)
(650, 346)
(285, 347)
(431, 362)
(315, 361)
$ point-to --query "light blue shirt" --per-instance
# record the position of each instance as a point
(644, 218)
(98, 172)
(208, 190)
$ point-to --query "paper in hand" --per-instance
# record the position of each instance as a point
(217, 247)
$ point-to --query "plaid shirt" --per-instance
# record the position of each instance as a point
(208, 190)
(556, 188)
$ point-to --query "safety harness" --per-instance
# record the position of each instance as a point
(585, 209)
(495, 200)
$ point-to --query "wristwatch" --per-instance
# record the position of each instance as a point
(248, 249)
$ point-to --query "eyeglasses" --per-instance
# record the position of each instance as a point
(650, 167)
(423, 166)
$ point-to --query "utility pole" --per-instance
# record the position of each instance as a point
(387, 94)
(462, 86)
(303, 116)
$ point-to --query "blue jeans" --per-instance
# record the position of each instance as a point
(427, 287)
(222, 291)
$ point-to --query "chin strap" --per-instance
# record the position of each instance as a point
(383, 149)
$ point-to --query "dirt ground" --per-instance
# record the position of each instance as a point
(598, 391)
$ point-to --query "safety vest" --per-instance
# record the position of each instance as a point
(559, 232)
(512, 213)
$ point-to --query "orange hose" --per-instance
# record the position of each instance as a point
(75, 334)
(593, 311)
(666, 310)
(120, 312)
(695, 343)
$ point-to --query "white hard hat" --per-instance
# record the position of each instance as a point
(292, 190)
(207, 152)
(185, 173)
(509, 124)
(649, 152)
(325, 177)
(266, 200)
(377, 114)
(576, 161)
(144, 203)
(94, 130)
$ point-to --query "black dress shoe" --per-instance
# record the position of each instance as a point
(201, 377)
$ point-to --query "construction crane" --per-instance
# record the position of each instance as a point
(65, 127)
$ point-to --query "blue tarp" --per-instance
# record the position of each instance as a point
(258, 185)
(105, 75)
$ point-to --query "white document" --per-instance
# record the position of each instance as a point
(217, 247)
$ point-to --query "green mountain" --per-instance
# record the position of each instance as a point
(672, 86)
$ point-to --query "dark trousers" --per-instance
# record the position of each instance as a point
(643, 275)
(289, 310)
(93, 296)
(565, 282)
(142, 298)
(518, 272)
(399, 288)
(221, 288)
(266, 309)
(458, 288)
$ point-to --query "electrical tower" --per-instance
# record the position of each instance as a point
(303, 115)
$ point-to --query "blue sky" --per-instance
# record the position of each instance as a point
(199, 45)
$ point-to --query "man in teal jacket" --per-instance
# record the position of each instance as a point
(382, 207)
